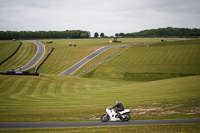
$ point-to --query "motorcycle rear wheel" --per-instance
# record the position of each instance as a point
(105, 118)
(125, 117)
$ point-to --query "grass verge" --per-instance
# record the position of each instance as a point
(174, 128)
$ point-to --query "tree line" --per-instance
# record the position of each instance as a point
(163, 32)
(5, 35)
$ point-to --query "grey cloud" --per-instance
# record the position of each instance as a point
(179, 6)
(108, 16)
(35, 4)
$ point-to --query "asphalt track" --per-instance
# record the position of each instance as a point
(36, 58)
(14, 125)
(73, 68)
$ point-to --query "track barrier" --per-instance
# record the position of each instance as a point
(43, 60)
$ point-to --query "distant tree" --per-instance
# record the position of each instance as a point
(122, 34)
(116, 34)
(168, 32)
(96, 34)
(102, 35)
(160, 32)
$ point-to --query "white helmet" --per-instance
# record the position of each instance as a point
(117, 102)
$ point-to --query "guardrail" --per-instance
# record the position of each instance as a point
(43, 60)
(22, 73)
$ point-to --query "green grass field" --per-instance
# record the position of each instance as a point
(178, 128)
(156, 82)
(7, 48)
(158, 61)
(58, 98)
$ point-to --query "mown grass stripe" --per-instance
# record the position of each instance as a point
(37, 92)
(52, 90)
(5, 84)
(11, 54)
(26, 90)
(65, 90)
(13, 88)
(7, 48)
(19, 55)
(44, 91)
(24, 56)
(33, 85)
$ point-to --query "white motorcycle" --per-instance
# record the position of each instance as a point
(111, 114)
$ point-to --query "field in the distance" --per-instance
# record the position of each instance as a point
(65, 56)
(157, 61)
(50, 97)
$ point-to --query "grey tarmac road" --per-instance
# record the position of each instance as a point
(14, 125)
(73, 68)
(35, 59)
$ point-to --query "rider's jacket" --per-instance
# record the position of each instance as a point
(119, 106)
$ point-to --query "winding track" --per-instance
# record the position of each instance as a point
(73, 68)
(36, 58)
(13, 125)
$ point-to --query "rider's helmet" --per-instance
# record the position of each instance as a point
(117, 102)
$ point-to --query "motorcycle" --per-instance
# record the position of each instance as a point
(112, 115)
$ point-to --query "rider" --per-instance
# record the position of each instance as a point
(119, 106)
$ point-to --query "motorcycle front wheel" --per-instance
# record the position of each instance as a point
(125, 117)
(105, 118)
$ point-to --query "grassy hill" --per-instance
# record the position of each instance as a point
(49, 97)
(65, 56)
(7, 48)
(158, 61)
(59, 98)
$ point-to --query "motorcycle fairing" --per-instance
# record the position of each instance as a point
(125, 111)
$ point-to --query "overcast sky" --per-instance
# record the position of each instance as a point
(107, 16)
